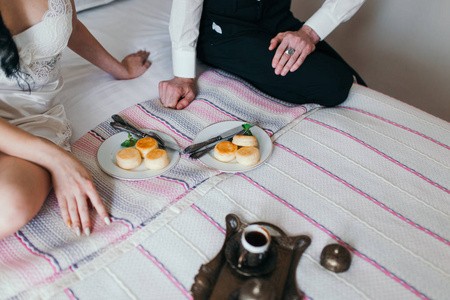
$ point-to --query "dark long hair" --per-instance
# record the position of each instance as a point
(9, 58)
(9, 55)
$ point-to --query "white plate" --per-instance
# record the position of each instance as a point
(264, 144)
(106, 158)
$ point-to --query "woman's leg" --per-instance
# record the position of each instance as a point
(24, 187)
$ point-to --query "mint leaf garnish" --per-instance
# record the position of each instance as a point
(130, 142)
(247, 129)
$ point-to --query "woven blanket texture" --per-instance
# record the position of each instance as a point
(46, 253)
(372, 175)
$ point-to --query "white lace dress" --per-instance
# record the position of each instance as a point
(40, 46)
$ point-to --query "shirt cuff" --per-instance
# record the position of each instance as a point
(183, 63)
(322, 23)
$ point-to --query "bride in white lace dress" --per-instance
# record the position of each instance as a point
(34, 130)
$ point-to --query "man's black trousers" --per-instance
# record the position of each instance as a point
(235, 36)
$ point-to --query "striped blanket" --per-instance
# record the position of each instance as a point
(44, 257)
(372, 175)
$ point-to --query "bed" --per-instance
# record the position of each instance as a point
(371, 174)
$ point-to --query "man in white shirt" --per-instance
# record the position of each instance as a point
(262, 42)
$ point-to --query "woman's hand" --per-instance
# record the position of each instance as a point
(302, 43)
(74, 189)
(136, 64)
(72, 181)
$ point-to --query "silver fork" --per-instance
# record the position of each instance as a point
(120, 124)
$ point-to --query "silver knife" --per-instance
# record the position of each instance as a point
(223, 136)
(201, 152)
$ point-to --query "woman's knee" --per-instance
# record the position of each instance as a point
(20, 202)
(17, 209)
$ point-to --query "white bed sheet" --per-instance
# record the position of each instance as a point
(90, 95)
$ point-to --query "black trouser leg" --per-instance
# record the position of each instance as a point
(241, 44)
(327, 49)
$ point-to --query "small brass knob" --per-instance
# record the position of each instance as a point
(335, 258)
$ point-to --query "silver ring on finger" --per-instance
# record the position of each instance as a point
(290, 51)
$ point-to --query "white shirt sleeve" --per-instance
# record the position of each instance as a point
(331, 14)
(184, 30)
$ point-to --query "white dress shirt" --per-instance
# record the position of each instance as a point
(185, 22)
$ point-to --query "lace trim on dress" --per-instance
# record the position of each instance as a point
(57, 8)
(45, 70)
(64, 139)
(40, 56)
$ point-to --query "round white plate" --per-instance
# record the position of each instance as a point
(106, 158)
(264, 144)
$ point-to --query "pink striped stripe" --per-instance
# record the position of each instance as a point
(332, 235)
(135, 116)
(161, 122)
(241, 89)
(70, 294)
(382, 154)
(397, 125)
(203, 111)
(165, 272)
(95, 135)
(217, 109)
(35, 253)
(208, 218)
(159, 187)
(173, 201)
(87, 145)
(10, 256)
(253, 96)
(427, 231)
(237, 88)
(114, 220)
(174, 181)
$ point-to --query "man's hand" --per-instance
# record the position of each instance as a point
(178, 92)
(303, 42)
